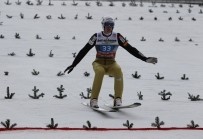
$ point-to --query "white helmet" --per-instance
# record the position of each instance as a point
(108, 20)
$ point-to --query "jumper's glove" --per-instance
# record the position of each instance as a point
(152, 60)
(70, 68)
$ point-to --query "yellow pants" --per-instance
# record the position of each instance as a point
(107, 67)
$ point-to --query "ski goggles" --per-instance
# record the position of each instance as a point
(109, 24)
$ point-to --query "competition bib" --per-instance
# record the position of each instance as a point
(106, 47)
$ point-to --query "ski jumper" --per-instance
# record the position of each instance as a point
(105, 64)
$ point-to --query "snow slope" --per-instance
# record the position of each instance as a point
(174, 60)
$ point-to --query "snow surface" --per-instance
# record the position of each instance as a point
(174, 60)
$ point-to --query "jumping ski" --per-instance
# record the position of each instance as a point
(98, 109)
(123, 107)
